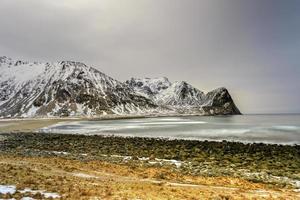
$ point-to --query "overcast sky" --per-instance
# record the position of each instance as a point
(250, 47)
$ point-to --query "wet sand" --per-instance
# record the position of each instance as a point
(27, 125)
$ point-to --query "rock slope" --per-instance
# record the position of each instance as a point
(184, 98)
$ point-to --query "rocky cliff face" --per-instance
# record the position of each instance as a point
(184, 98)
(30, 89)
(219, 102)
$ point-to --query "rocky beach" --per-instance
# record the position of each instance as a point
(108, 167)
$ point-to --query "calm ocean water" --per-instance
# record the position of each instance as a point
(280, 129)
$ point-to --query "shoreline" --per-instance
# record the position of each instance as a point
(161, 148)
(37, 124)
(168, 138)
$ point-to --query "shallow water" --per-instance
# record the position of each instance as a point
(281, 129)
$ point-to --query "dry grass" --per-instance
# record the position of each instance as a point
(113, 181)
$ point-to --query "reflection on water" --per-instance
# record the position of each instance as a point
(246, 128)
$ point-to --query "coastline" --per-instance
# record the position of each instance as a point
(184, 164)
(40, 125)
(112, 117)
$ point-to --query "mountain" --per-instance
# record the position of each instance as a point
(181, 94)
(219, 102)
(67, 88)
(149, 87)
(184, 98)
(63, 89)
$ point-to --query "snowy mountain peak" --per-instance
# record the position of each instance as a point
(5, 60)
(180, 93)
(157, 79)
(73, 64)
(149, 87)
(165, 93)
(183, 97)
(64, 88)
(181, 85)
(220, 89)
(154, 83)
(2, 58)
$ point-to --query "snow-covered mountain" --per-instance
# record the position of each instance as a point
(149, 87)
(67, 88)
(181, 94)
(63, 89)
(183, 97)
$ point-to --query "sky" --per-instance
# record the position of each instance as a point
(250, 47)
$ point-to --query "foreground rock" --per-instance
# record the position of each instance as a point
(269, 163)
(97, 167)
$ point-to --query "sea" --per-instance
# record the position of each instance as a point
(275, 129)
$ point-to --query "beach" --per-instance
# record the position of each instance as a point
(110, 167)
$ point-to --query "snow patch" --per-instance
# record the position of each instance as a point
(7, 189)
(83, 175)
(11, 189)
(46, 194)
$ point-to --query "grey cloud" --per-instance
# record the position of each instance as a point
(251, 47)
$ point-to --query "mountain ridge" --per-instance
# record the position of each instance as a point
(69, 88)
(185, 98)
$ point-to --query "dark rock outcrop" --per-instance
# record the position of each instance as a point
(219, 102)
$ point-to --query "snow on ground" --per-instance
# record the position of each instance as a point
(7, 189)
(83, 175)
(27, 198)
(154, 161)
(43, 192)
(60, 152)
(11, 189)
